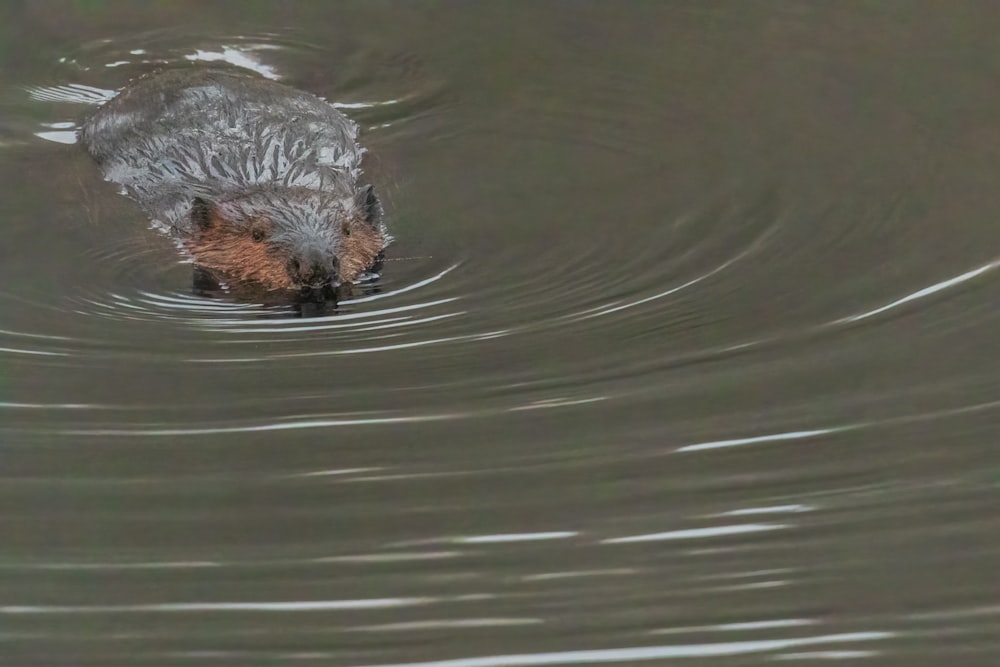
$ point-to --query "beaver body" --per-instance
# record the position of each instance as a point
(257, 179)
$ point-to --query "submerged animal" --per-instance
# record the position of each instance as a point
(258, 180)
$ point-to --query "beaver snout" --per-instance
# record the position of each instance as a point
(314, 270)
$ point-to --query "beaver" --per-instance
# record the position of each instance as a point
(258, 181)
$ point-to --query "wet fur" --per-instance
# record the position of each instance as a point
(239, 245)
(233, 254)
(248, 173)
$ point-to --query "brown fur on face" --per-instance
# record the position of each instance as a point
(243, 253)
(360, 245)
(234, 252)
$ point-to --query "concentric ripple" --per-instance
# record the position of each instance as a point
(685, 348)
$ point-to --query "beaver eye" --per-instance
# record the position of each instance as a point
(257, 235)
(346, 229)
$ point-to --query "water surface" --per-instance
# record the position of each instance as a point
(685, 352)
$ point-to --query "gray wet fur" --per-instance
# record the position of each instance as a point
(229, 136)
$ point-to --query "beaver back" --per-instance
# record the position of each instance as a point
(213, 133)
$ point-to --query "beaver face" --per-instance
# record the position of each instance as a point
(287, 238)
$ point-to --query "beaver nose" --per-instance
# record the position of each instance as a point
(313, 270)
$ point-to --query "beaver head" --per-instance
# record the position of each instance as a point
(287, 238)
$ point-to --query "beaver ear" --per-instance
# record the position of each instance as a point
(201, 212)
(367, 203)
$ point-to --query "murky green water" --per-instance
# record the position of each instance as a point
(686, 352)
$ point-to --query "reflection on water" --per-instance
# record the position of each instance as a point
(316, 605)
(655, 652)
(683, 352)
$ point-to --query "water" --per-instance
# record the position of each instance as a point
(686, 351)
